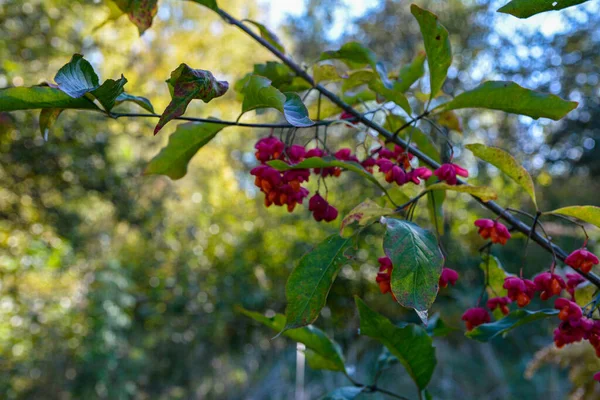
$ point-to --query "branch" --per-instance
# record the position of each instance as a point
(374, 388)
(218, 121)
(516, 223)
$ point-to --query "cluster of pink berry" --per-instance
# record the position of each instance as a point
(520, 290)
(285, 188)
(395, 164)
(574, 326)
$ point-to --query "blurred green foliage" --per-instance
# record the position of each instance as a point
(116, 285)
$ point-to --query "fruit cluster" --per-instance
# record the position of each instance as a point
(521, 290)
(285, 187)
(575, 325)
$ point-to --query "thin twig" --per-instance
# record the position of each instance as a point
(218, 121)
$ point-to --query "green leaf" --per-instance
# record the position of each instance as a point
(212, 4)
(366, 212)
(324, 162)
(27, 98)
(589, 214)
(353, 54)
(139, 100)
(364, 96)
(297, 84)
(512, 98)
(410, 73)
(325, 72)
(507, 164)
(485, 193)
(280, 75)
(394, 94)
(357, 78)
(259, 93)
(417, 262)
(344, 393)
(495, 274)
(437, 47)
(411, 345)
(183, 144)
(140, 12)
(486, 332)
(308, 285)
(269, 36)
(295, 111)
(313, 338)
(527, 8)
(189, 84)
(48, 117)
(108, 92)
(77, 77)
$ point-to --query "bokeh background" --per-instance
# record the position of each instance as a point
(115, 285)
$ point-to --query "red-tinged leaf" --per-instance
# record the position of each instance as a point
(364, 214)
(140, 12)
(189, 84)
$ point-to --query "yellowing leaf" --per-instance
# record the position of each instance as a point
(325, 72)
(589, 214)
(364, 213)
(450, 120)
(485, 193)
(505, 163)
